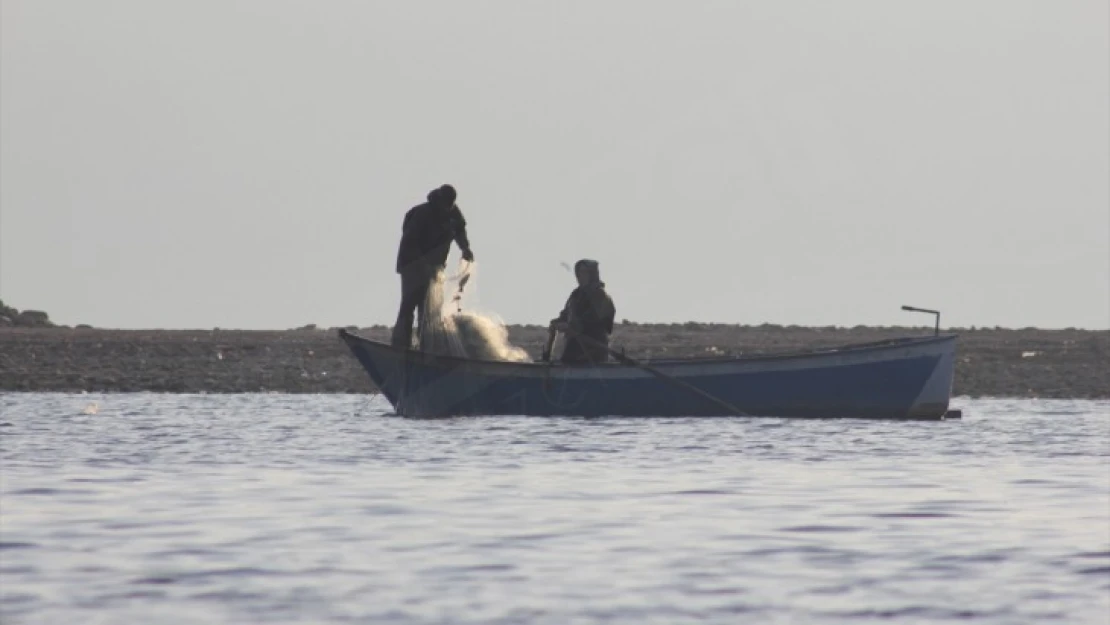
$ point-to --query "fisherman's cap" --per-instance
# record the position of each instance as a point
(444, 194)
(586, 263)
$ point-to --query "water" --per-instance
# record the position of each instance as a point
(312, 509)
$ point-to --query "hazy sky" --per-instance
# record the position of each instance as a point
(247, 163)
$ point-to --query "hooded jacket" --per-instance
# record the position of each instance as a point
(426, 236)
(590, 311)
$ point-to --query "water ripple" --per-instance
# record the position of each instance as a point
(278, 508)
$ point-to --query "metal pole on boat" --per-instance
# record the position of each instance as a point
(936, 326)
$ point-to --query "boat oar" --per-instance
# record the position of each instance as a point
(733, 410)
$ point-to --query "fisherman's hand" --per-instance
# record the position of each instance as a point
(560, 326)
(468, 256)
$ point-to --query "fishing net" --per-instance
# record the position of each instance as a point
(446, 329)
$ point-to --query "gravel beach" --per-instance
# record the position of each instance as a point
(990, 362)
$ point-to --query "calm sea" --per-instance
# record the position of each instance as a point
(154, 509)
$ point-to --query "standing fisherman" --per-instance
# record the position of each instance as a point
(426, 238)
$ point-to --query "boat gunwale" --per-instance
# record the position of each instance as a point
(853, 348)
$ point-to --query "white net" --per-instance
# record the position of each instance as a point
(446, 329)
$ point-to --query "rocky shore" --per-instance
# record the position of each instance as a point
(991, 362)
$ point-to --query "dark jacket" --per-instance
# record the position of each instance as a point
(427, 234)
(590, 311)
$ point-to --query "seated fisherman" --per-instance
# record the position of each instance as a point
(587, 318)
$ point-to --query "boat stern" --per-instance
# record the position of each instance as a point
(932, 401)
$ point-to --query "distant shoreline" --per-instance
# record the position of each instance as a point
(990, 362)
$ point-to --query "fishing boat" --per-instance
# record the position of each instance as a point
(905, 378)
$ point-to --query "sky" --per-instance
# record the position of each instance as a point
(247, 163)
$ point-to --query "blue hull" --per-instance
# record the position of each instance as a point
(901, 379)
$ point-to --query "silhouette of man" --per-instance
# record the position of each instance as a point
(589, 312)
(426, 237)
